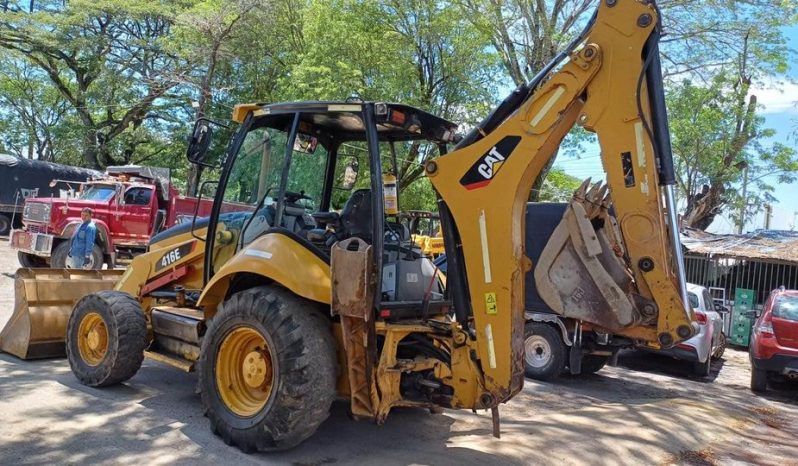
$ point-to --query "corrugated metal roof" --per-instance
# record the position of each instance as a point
(765, 245)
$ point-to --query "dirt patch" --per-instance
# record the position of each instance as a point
(705, 457)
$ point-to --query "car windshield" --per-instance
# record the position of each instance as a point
(98, 192)
(786, 307)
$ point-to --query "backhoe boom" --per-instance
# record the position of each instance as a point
(623, 276)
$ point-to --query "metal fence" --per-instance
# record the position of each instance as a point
(732, 273)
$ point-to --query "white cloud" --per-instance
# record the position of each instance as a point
(777, 96)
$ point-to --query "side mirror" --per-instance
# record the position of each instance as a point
(750, 314)
(349, 176)
(305, 143)
(200, 143)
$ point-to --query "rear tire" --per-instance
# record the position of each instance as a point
(703, 369)
(544, 351)
(759, 380)
(293, 343)
(30, 260)
(721, 347)
(592, 363)
(58, 259)
(106, 338)
(5, 225)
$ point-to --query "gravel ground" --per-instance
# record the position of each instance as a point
(648, 410)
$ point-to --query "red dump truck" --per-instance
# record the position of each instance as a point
(130, 204)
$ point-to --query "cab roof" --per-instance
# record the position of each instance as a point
(339, 120)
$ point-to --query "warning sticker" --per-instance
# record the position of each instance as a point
(490, 303)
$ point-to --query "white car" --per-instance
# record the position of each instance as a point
(710, 342)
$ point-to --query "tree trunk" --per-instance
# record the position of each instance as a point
(702, 210)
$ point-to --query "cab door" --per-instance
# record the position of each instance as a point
(135, 215)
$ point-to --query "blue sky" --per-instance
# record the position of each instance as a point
(781, 114)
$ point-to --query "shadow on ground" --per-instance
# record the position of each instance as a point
(641, 413)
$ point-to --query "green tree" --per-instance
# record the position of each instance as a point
(106, 60)
(722, 151)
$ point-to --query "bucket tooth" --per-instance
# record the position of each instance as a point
(43, 302)
(582, 189)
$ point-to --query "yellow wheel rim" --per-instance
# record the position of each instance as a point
(244, 371)
(92, 339)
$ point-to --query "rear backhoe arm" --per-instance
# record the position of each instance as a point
(615, 260)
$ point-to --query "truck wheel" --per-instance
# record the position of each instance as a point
(544, 351)
(58, 260)
(267, 370)
(593, 363)
(759, 380)
(30, 260)
(106, 338)
(5, 225)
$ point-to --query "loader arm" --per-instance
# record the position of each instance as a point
(620, 272)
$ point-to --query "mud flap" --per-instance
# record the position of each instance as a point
(353, 284)
(581, 272)
(44, 299)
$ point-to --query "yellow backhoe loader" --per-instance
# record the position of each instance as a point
(286, 304)
(426, 232)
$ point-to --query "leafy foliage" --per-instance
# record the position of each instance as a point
(99, 82)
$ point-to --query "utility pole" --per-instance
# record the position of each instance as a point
(744, 204)
(768, 216)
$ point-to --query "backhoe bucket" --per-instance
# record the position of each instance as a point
(581, 272)
(44, 301)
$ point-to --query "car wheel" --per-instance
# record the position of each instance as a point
(759, 380)
(703, 368)
(721, 348)
(544, 351)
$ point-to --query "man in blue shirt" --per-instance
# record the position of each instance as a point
(82, 243)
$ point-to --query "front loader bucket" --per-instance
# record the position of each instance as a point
(44, 300)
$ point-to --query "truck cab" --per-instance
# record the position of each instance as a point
(129, 204)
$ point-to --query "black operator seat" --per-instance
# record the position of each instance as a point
(354, 220)
(356, 215)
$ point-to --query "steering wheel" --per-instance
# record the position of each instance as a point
(292, 197)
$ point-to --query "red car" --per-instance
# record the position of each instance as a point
(774, 340)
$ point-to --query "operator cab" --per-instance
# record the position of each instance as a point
(298, 169)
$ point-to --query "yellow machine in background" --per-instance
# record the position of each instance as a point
(284, 306)
(425, 228)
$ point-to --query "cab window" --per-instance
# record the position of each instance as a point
(98, 193)
(138, 196)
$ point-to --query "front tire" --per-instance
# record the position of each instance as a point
(58, 260)
(106, 338)
(267, 370)
(544, 351)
